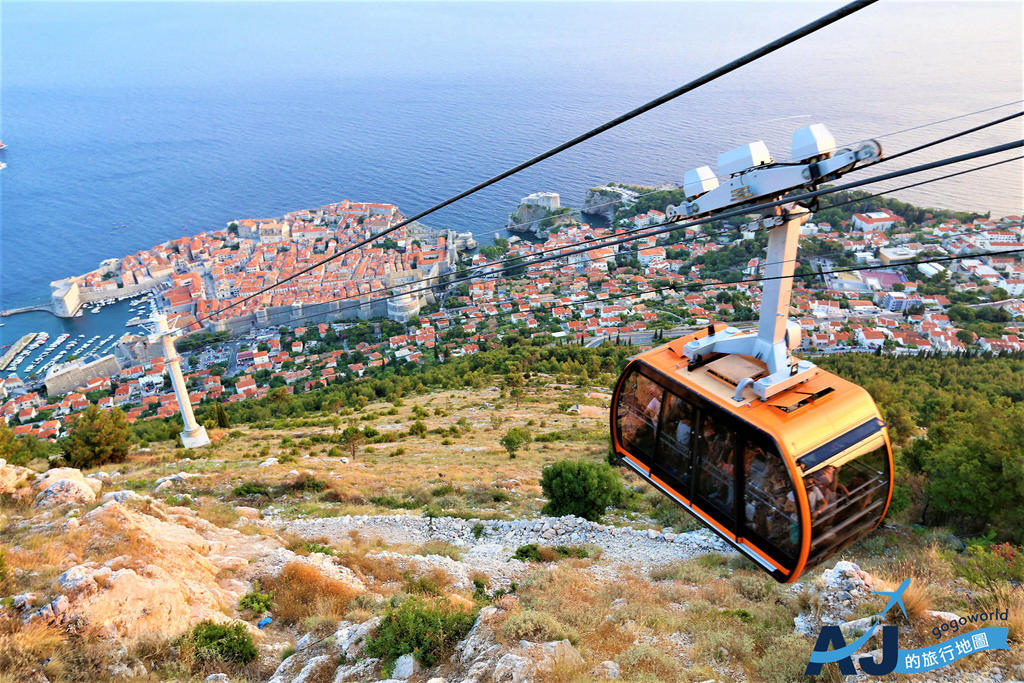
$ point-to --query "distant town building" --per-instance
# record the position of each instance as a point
(551, 201)
(65, 297)
(875, 220)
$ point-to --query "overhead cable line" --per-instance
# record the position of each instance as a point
(668, 226)
(715, 74)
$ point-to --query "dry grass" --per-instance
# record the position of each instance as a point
(918, 598)
(646, 660)
(535, 626)
(218, 513)
(28, 650)
(1011, 600)
(438, 547)
(302, 591)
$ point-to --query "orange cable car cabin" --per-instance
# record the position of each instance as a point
(785, 461)
(788, 481)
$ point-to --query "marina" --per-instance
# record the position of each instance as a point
(93, 335)
(16, 350)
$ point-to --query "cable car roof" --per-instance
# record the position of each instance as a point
(802, 419)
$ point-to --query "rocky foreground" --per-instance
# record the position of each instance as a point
(124, 570)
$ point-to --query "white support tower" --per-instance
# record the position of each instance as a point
(750, 175)
(776, 336)
(194, 434)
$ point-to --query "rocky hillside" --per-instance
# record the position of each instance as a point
(278, 555)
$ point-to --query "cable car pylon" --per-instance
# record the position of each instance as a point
(194, 434)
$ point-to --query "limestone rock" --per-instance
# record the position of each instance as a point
(478, 652)
(64, 485)
(121, 496)
(317, 653)
(248, 512)
(15, 480)
(164, 579)
(606, 669)
(57, 473)
(405, 667)
(64, 492)
(363, 670)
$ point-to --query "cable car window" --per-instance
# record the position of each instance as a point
(673, 458)
(854, 496)
(715, 476)
(638, 413)
(768, 487)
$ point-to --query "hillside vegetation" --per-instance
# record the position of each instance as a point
(396, 500)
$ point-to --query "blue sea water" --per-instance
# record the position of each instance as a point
(128, 124)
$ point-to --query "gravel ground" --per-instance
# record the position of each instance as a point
(499, 539)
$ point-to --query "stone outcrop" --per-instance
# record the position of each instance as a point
(65, 486)
(605, 200)
(537, 220)
(14, 480)
(478, 658)
(318, 654)
(167, 569)
(528, 662)
(163, 579)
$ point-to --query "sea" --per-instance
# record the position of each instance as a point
(128, 124)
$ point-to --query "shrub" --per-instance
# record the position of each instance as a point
(442, 490)
(528, 553)
(302, 591)
(417, 428)
(754, 587)
(514, 439)
(539, 627)
(393, 503)
(307, 482)
(990, 566)
(478, 530)
(97, 437)
(542, 553)
(314, 547)
(581, 488)
(222, 642)
(256, 601)
(251, 489)
(426, 628)
(433, 583)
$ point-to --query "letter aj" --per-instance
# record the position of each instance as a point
(831, 637)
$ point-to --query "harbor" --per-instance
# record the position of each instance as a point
(16, 350)
(94, 333)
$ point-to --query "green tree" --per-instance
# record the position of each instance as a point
(581, 488)
(514, 439)
(353, 438)
(96, 438)
(221, 416)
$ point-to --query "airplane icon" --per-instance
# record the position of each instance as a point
(895, 598)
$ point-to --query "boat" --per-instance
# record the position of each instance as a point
(2, 145)
(95, 310)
